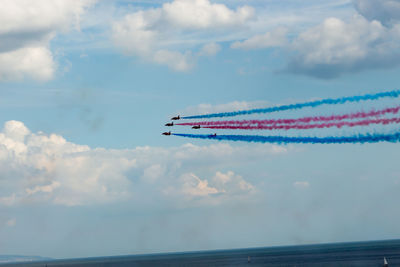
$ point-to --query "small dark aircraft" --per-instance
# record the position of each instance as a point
(169, 124)
(167, 133)
(196, 127)
(176, 118)
(214, 135)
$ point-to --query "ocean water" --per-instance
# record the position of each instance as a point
(337, 254)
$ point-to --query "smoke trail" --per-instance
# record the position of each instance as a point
(328, 101)
(358, 115)
(306, 126)
(361, 139)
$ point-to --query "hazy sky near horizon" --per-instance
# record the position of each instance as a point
(86, 87)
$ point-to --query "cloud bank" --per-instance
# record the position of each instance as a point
(160, 35)
(368, 40)
(385, 11)
(26, 29)
(45, 168)
(336, 47)
(178, 33)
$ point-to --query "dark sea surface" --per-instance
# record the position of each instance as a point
(337, 254)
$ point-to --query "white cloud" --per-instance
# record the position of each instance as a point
(222, 187)
(36, 62)
(26, 28)
(223, 183)
(275, 38)
(46, 168)
(15, 130)
(45, 188)
(301, 184)
(158, 35)
(18, 16)
(175, 60)
(232, 183)
(210, 49)
(153, 173)
(202, 14)
(386, 11)
(336, 47)
(194, 186)
(39, 167)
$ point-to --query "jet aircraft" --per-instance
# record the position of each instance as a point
(169, 124)
(196, 127)
(167, 133)
(176, 118)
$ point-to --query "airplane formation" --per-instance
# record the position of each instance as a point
(169, 124)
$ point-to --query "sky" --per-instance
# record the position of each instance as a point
(85, 90)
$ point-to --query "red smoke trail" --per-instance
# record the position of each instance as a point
(358, 115)
(307, 126)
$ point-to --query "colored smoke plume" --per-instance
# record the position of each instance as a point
(307, 126)
(360, 139)
(357, 115)
(328, 101)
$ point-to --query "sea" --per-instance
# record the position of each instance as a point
(365, 254)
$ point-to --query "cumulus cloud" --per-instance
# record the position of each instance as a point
(368, 40)
(275, 38)
(232, 183)
(40, 167)
(158, 35)
(153, 173)
(385, 11)
(46, 168)
(36, 62)
(15, 130)
(45, 188)
(175, 60)
(218, 189)
(202, 14)
(194, 186)
(336, 47)
(26, 28)
(210, 49)
(222, 183)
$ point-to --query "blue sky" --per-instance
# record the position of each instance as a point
(86, 87)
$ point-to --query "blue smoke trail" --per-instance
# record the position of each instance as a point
(328, 101)
(368, 138)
